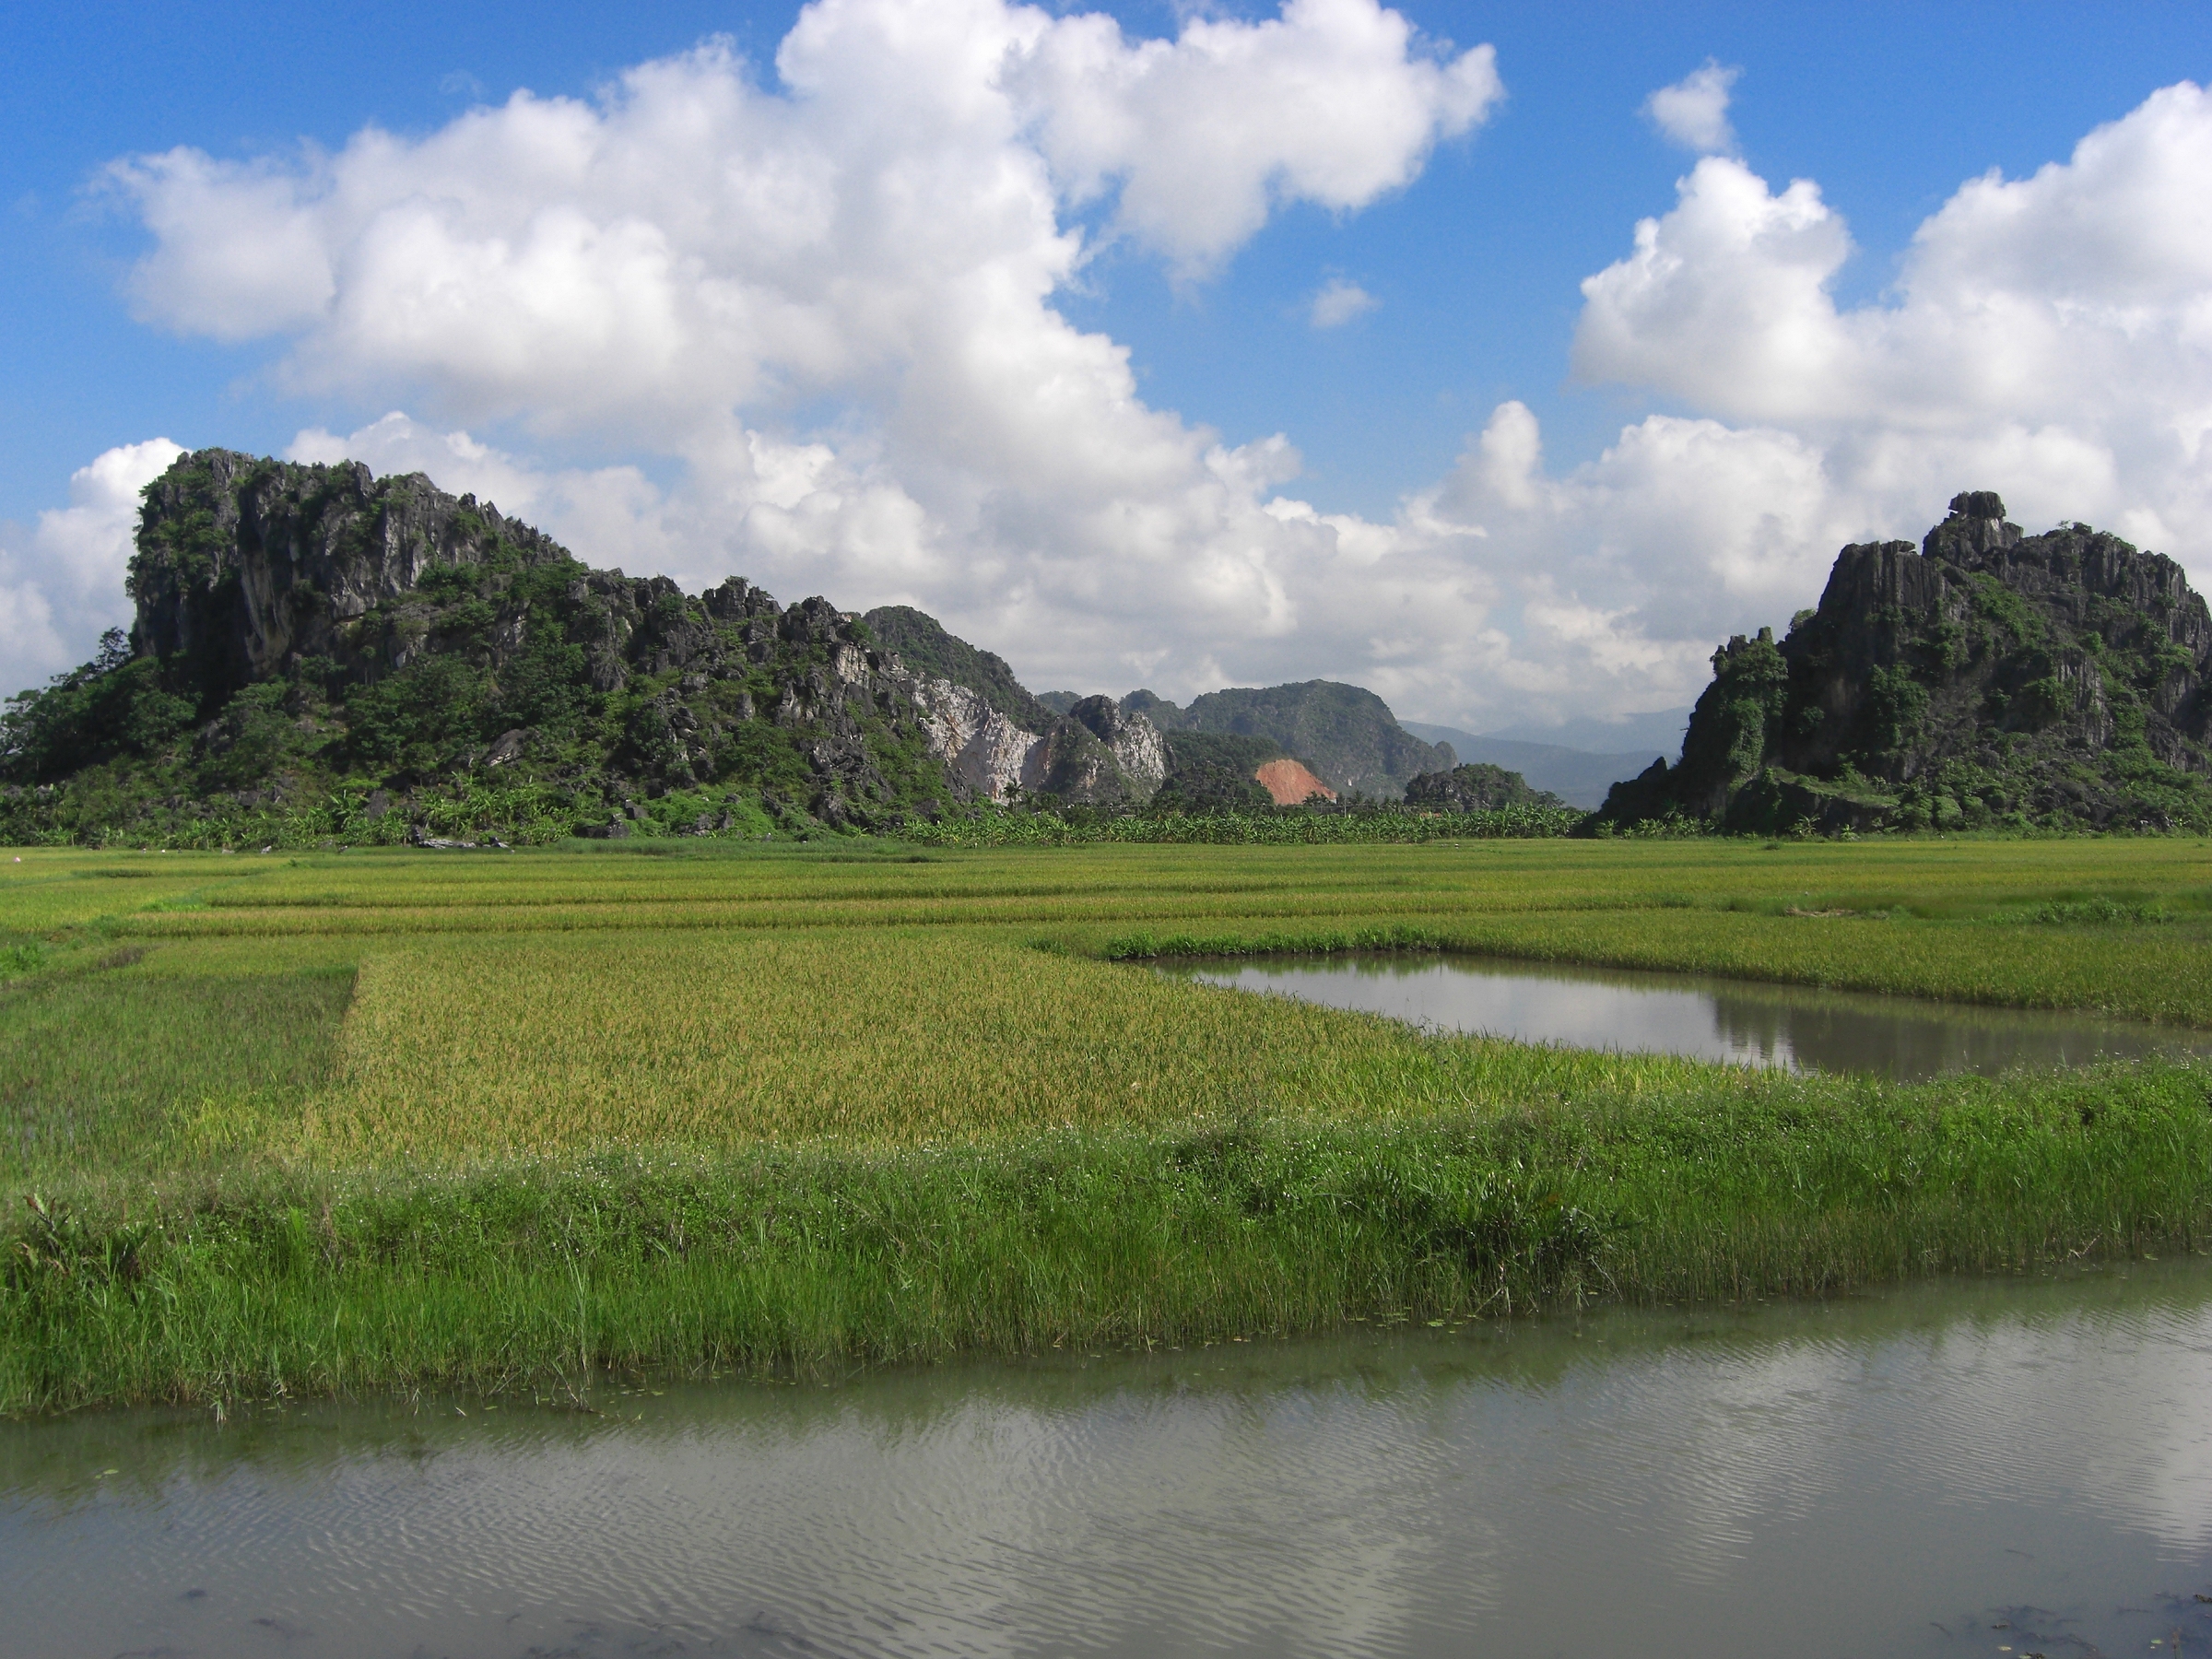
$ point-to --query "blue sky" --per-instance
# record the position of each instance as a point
(1474, 271)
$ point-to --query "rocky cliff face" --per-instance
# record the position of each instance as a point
(986, 752)
(1985, 677)
(1139, 754)
(924, 645)
(1004, 744)
(246, 564)
(1000, 761)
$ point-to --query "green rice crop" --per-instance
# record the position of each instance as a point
(339, 1121)
(111, 1069)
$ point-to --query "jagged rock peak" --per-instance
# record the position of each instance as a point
(1974, 528)
(1134, 741)
(425, 634)
(243, 562)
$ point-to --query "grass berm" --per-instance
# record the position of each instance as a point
(346, 1121)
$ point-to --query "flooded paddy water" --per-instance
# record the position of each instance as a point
(1982, 1466)
(1706, 1017)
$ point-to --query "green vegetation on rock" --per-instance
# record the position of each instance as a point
(325, 658)
(1231, 751)
(922, 641)
(1213, 771)
(321, 658)
(321, 655)
(1478, 787)
(1211, 787)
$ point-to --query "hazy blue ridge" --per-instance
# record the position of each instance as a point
(1657, 729)
(1576, 776)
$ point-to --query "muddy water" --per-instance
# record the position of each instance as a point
(1709, 1019)
(1968, 1468)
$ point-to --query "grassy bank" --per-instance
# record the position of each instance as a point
(379, 1120)
(523, 1272)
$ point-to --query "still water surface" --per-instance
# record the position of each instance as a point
(1965, 1468)
(1739, 1021)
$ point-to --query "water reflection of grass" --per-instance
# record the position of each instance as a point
(362, 1123)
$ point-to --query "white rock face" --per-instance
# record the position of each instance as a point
(995, 757)
(1139, 752)
(978, 744)
(1143, 755)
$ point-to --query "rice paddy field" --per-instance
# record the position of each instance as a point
(335, 1121)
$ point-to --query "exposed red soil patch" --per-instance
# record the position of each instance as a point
(1290, 782)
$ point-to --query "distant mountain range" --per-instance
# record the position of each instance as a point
(322, 653)
(319, 652)
(1577, 776)
(1346, 734)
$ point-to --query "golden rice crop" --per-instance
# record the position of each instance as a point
(49, 890)
(560, 1043)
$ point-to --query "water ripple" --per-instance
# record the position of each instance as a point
(1845, 1474)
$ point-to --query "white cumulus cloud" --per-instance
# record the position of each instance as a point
(61, 583)
(678, 264)
(1338, 303)
(688, 244)
(1693, 112)
(689, 270)
(2050, 337)
(1331, 103)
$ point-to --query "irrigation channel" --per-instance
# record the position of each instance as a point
(1740, 1021)
(1982, 1466)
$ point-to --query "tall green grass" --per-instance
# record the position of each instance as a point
(520, 1273)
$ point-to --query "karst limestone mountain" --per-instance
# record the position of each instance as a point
(315, 633)
(1984, 677)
